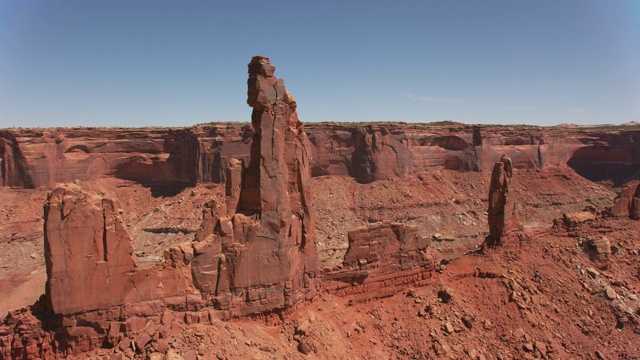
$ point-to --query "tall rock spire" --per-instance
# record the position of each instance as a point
(502, 206)
(280, 158)
(266, 241)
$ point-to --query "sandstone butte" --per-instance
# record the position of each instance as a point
(255, 252)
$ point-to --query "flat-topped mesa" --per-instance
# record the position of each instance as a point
(263, 246)
(502, 206)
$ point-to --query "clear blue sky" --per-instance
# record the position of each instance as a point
(179, 63)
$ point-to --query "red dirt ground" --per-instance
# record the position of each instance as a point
(536, 297)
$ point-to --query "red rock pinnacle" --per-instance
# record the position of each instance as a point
(502, 218)
(264, 242)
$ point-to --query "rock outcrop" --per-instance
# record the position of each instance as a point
(381, 259)
(573, 221)
(628, 203)
(262, 247)
(599, 249)
(386, 243)
(255, 252)
(89, 258)
(379, 154)
(502, 206)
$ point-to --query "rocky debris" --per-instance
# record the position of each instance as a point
(518, 333)
(598, 248)
(304, 347)
(448, 328)
(609, 293)
(592, 272)
(445, 294)
(556, 308)
(502, 206)
(468, 321)
(541, 347)
(628, 203)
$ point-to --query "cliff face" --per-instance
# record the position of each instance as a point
(171, 159)
(90, 260)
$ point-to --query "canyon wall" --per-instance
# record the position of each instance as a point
(170, 159)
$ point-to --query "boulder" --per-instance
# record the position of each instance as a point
(599, 249)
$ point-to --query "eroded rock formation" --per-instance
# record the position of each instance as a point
(502, 206)
(262, 243)
(254, 253)
(381, 259)
(89, 258)
(385, 243)
(379, 154)
(599, 249)
(628, 203)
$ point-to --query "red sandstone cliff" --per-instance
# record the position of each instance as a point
(169, 159)
(255, 253)
(90, 261)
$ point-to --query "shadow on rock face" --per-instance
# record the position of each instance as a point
(618, 164)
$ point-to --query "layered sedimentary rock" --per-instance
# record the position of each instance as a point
(385, 243)
(186, 156)
(599, 249)
(502, 206)
(262, 243)
(89, 258)
(628, 203)
(382, 258)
